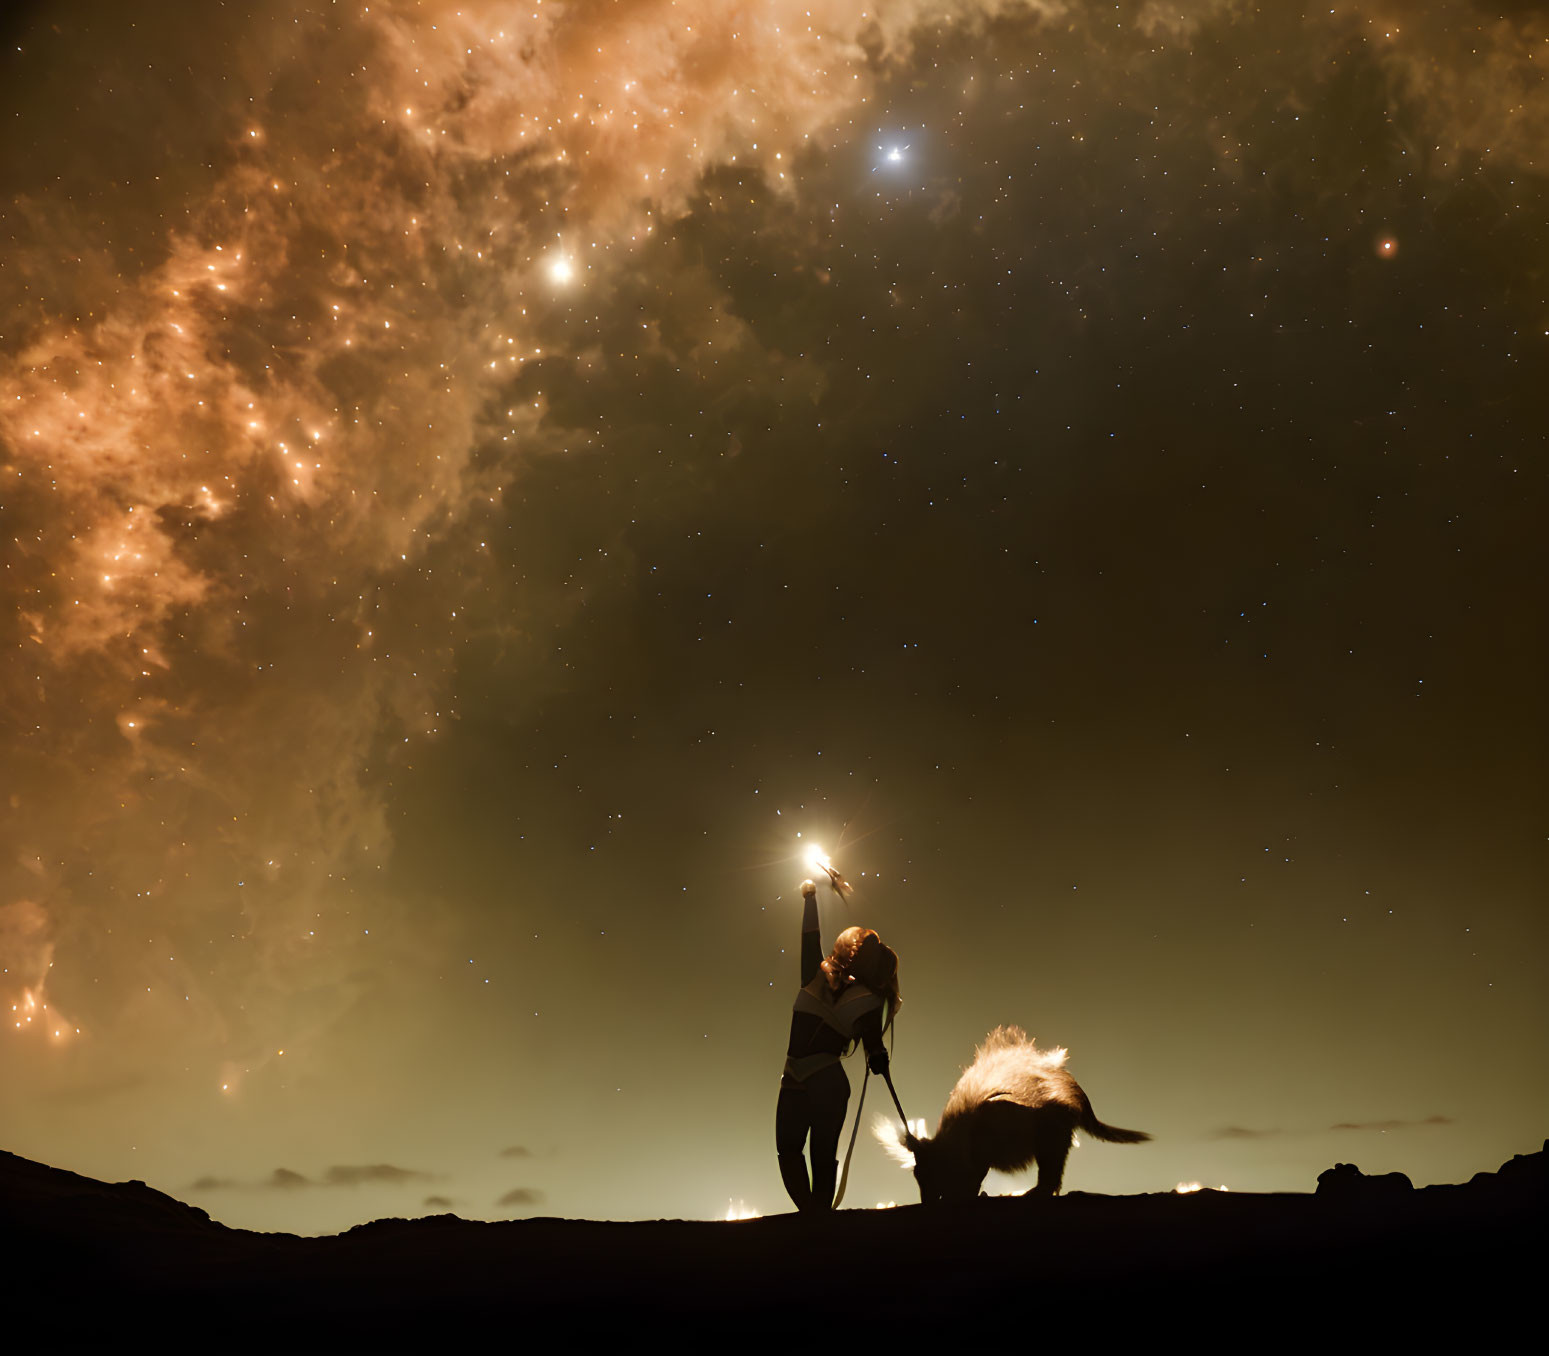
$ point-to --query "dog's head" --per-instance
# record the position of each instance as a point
(943, 1174)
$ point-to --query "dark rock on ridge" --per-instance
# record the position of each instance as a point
(1523, 1174)
(1345, 1181)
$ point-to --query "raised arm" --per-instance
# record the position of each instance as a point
(811, 942)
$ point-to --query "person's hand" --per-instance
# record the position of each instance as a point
(877, 1060)
(808, 889)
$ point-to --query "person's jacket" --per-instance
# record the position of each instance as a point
(825, 1022)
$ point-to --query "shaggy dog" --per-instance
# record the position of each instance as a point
(1014, 1105)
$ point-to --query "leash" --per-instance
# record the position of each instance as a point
(860, 1106)
(844, 1177)
(888, 1074)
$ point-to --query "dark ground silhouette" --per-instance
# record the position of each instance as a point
(1362, 1257)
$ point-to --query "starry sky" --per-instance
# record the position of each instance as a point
(484, 485)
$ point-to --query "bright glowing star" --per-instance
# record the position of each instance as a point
(1387, 247)
(817, 860)
(561, 270)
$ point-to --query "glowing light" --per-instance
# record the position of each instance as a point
(817, 860)
(1386, 247)
(740, 1209)
(890, 1135)
(1185, 1188)
(561, 270)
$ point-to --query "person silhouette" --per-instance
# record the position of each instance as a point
(846, 1000)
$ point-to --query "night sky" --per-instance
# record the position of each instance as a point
(483, 485)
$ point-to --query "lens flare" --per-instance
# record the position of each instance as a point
(818, 860)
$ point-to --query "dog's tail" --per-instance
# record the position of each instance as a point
(1111, 1133)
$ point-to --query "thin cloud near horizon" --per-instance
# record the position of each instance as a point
(1244, 1132)
(339, 1175)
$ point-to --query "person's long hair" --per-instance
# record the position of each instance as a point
(862, 955)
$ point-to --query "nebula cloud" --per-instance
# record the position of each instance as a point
(249, 472)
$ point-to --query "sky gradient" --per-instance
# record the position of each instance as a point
(482, 485)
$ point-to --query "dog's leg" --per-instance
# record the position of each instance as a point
(1053, 1148)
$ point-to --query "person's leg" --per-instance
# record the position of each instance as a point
(829, 1094)
(791, 1122)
